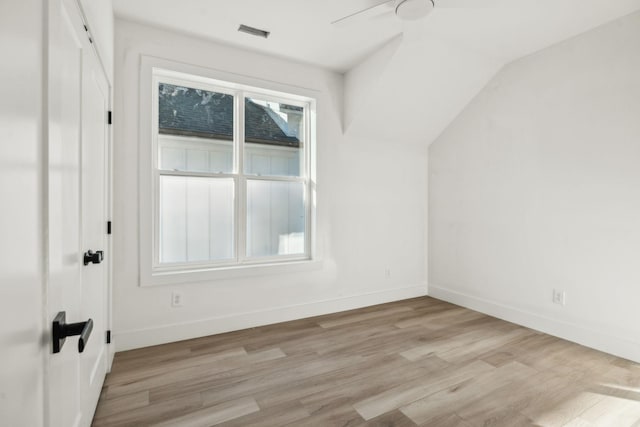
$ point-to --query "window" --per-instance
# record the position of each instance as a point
(230, 174)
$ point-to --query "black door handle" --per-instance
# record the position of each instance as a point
(61, 330)
(93, 257)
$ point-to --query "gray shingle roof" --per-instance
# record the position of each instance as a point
(195, 112)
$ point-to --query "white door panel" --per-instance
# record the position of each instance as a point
(65, 91)
(78, 135)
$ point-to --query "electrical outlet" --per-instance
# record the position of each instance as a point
(559, 297)
(177, 299)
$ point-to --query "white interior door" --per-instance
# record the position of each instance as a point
(95, 154)
(65, 249)
(78, 102)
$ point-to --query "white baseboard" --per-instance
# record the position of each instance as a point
(128, 340)
(607, 343)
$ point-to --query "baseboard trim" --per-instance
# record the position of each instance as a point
(597, 340)
(132, 339)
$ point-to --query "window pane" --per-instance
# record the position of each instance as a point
(275, 218)
(195, 129)
(196, 219)
(274, 135)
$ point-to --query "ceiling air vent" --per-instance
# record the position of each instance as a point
(253, 31)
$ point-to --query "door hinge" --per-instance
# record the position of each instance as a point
(88, 34)
(109, 337)
(109, 117)
(108, 227)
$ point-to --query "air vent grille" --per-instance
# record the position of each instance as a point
(253, 31)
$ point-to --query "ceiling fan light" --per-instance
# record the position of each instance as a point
(410, 10)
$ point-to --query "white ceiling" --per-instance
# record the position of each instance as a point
(301, 29)
(445, 60)
(419, 82)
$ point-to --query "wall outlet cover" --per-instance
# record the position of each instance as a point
(177, 299)
(559, 297)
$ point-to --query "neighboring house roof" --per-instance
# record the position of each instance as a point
(194, 112)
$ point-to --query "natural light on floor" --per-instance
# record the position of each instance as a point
(604, 405)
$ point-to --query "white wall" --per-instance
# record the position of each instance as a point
(371, 210)
(361, 81)
(21, 215)
(413, 87)
(536, 186)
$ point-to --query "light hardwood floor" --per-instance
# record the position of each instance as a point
(415, 362)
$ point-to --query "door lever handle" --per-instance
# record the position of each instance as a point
(61, 330)
(93, 257)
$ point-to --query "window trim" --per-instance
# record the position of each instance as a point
(152, 272)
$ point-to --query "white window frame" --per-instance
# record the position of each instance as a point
(154, 71)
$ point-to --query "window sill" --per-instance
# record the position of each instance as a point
(176, 277)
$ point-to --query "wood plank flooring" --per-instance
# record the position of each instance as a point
(416, 362)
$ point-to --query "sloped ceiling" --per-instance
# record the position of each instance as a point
(404, 81)
(443, 62)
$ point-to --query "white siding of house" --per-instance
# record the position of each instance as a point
(197, 214)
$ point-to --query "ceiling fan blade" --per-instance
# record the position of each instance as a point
(467, 4)
(369, 12)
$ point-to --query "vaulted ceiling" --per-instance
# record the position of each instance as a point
(404, 81)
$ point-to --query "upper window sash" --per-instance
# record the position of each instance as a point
(239, 137)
